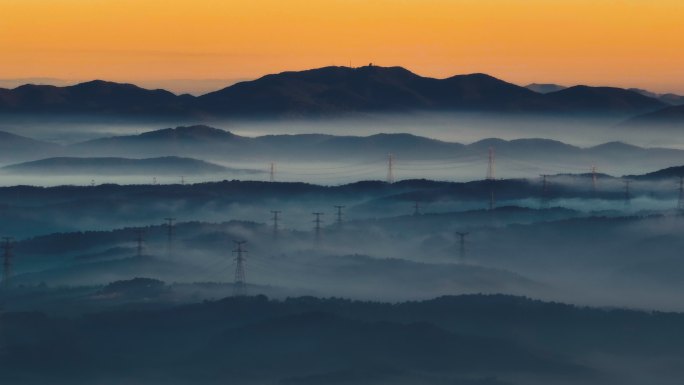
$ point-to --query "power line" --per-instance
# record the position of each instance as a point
(7, 246)
(240, 283)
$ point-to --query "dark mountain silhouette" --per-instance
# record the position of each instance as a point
(675, 100)
(371, 88)
(94, 97)
(188, 141)
(601, 100)
(323, 92)
(672, 99)
(669, 116)
(116, 166)
(644, 92)
(544, 88)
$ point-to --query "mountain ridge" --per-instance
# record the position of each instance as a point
(169, 165)
(326, 91)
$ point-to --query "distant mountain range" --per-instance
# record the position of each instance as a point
(670, 116)
(669, 98)
(672, 99)
(208, 143)
(16, 148)
(329, 91)
(169, 165)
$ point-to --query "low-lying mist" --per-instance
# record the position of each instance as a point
(453, 127)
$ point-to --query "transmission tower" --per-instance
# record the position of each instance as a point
(628, 193)
(490, 164)
(461, 248)
(594, 178)
(271, 172)
(239, 288)
(545, 191)
(416, 208)
(170, 231)
(339, 215)
(140, 241)
(7, 247)
(680, 200)
(182, 180)
(276, 220)
(545, 184)
(317, 226)
(390, 168)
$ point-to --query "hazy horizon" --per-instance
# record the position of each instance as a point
(524, 42)
(201, 86)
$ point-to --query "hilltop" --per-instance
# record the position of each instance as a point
(327, 91)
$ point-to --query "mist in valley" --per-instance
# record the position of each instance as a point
(524, 147)
(473, 228)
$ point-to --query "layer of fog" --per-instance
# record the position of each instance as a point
(338, 173)
(463, 128)
(563, 256)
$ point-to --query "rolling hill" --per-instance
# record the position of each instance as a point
(670, 116)
(666, 173)
(15, 147)
(601, 100)
(116, 166)
(469, 340)
(211, 143)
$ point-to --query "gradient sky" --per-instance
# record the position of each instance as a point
(628, 43)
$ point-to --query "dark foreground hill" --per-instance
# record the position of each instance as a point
(169, 165)
(248, 340)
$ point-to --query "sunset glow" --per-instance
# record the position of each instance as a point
(627, 43)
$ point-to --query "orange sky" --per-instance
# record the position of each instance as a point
(626, 43)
